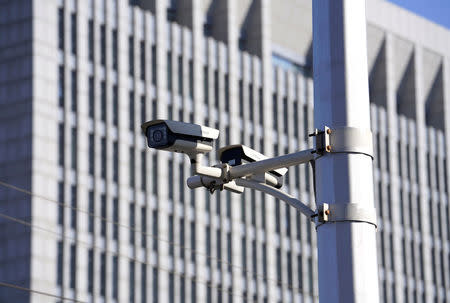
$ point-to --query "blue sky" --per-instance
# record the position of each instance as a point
(437, 11)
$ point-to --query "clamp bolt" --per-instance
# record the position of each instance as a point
(327, 212)
(328, 131)
(328, 148)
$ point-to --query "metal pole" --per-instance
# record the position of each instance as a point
(347, 252)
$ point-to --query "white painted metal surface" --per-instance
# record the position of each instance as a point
(346, 250)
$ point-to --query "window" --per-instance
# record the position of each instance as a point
(193, 241)
(142, 44)
(90, 271)
(193, 290)
(300, 272)
(91, 154)
(132, 223)
(131, 111)
(180, 75)
(103, 215)
(155, 229)
(219, 248)
(285, 114)
(171, 288)
(61, 84)
(208, 246)
(91, 97)
(227, 94)
(275, 111)
(241, 98)
(155, 174)
(115, 277)
(191, 79)
(279, 267)
(131, 55)
(261, 107)
(143, 283)
(115, 162)
(169, 71)
(91, 40)
(206, 84)
(74, 148)
(73, 204)
(155, 285)
(73, 265)
(73, 33)
(216, 88)
(59, 274)
(171, 247)
(102, 45)
(61, 202)
(277, 216)
(91, 212)
(103, 162)
(229, 252)
(103, 100)
(61, 29)
(102, 274)
(144, 226)
(154, 65)
(132, 165)
(132, 286)
(144, 171)
(74, 91)
(115, 218)
(251, 102)
(170, 179)
(115, 105)
(114, 49)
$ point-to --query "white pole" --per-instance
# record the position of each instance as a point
(347, 252)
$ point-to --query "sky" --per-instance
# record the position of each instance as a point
(437, 11)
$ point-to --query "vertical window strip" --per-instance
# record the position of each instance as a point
(142, 49)
(91, 212)
(115, 218)
(60, 273)
(144, 226)
(74, 153)
(103, 100)
(102, 45)
(73, 33)
(169, 71)
(132, 280)
(131, 56)
(91, 40)
(61, 28)
(73, 266)
(115, 277)
(61, 144)
(103, 274)
(74, 91)
(61, 202)
(131, 110)
(103, 215)
(91, 97)
(73, 204)
(154, 67)
(61, 86)
(115, 104)
(132, 165)
(90, 278)
(103, 161)
(115, 46)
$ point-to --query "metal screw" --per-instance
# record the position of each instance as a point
(327, 212)
(328, 148)
(328, 131)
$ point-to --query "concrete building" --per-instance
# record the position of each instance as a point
(112, 221)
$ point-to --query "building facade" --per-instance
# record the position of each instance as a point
(89, 213)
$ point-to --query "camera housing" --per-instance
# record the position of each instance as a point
(180, 137)
(239, 154)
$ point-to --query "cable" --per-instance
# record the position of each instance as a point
(33, 226)
(255, 275)
(4, 284)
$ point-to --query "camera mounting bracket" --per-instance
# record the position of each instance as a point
(353, 212)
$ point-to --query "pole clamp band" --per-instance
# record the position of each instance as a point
(344, 140)
(349, 212)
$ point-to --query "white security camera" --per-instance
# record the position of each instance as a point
(239, 154)
(175, 136)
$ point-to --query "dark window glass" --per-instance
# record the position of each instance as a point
(132, 165)
(103, 100)
(73, 265)
(61, 202)
(131, 110)
(169, 71)
(261, 107)
(73, 33)
(155, 175)
(74, 148)
(73, 204)
(170, 167)
(171, 249)
(229, 252)
(144, 226)
(142, 47)
(132, 223)
(114, 49)
(115, 162)
(144, 170)
(143, 283)
(285, 114)
(216, 88)
(275, 111)
(91, 212)
(277, 216)
(74, 91)
(219, 248)
(300, 272)
(91, 97)
(227, 93)
(61, 29)
(251, 102)
(103, 162)
(102, 274)
(131, 55)
(61, 85)
(154, 64)
(191, 79)
(103, 215)
(59, 274)
(115, 277)
(143, 109)
(180, 75)
(279, 267)
(91, 40)
(155, 229)
(115, 218)
(102, 44)
(155, 285)
(171, 288)
(132, 288)
(193, 241)
(208, 246)
(91, 154)
(115, 105)
(91, 271)
(244, 256)
(241, 98)
(206, 84)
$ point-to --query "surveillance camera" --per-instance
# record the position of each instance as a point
(239, 154)
(175, 136)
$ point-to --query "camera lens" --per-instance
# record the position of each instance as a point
(157, 135)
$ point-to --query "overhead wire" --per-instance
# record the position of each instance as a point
(43, 293)
(91, 214)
